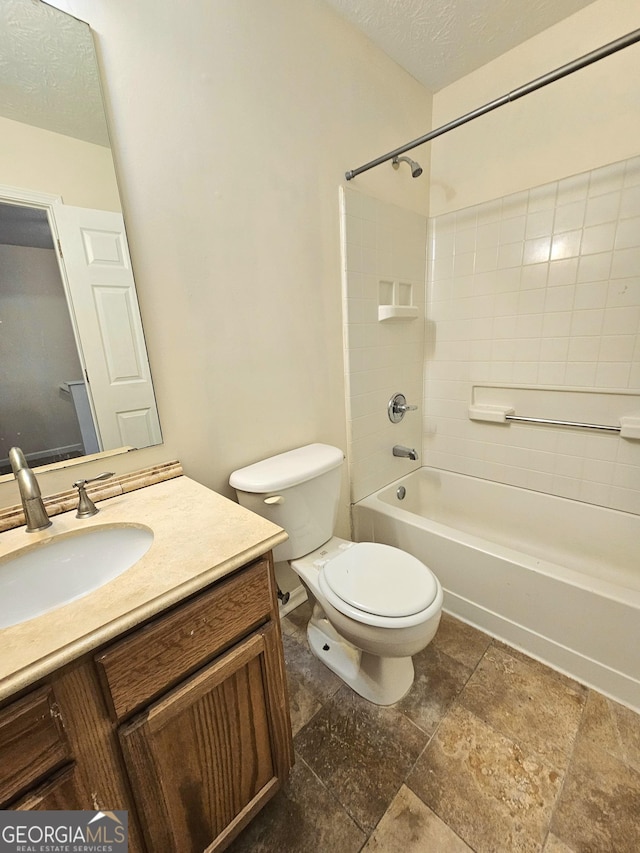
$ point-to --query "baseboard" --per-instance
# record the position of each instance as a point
(297, 596)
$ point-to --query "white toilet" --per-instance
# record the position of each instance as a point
(374, 606)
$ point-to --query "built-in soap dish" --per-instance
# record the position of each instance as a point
(395, 301)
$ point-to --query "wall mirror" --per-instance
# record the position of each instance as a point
(74, 372)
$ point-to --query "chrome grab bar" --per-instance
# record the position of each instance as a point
(575, 424)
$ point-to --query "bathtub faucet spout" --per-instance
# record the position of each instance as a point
(406, 452)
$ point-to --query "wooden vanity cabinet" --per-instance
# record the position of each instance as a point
(203, 759)
(194, 720)
(59, 750)
(200, 699)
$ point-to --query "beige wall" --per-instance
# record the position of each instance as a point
(573, 125)
(233, 124)
(36, 159)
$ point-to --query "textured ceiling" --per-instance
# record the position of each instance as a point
(439, 41)
(48, 72)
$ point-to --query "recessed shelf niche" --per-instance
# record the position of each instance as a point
(395, 301)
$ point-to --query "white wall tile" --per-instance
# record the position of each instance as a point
(628, 233)
(630, 202)
(573, 189)
(537, 251)
(560, 309)
(386, 243)
(623, 292)
(594, 267)
(534, 275)
(626, 263)
(563, 271)
(541, 288)
(560, 298)
(606, 179)
(621, 321)
(587, 322)
(598, 238)
(603, 208)
(570, 217)
(566, 245)
(512, 230)
(591, 295)
(584, 348)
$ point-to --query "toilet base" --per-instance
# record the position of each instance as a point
(380, 680)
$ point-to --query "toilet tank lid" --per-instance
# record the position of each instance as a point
(287, 469)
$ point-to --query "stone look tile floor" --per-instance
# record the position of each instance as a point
(490, 752)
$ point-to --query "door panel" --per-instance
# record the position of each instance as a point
(108, 324)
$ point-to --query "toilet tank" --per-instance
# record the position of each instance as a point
(298, 490)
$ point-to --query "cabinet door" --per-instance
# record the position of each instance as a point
(62, 791)
(203, 759)
(33, 740)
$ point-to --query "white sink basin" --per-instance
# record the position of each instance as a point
(41, 577)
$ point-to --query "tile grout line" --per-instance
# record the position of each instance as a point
(566, 772)
(453, 703)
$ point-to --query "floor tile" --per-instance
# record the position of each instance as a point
(408, 826)
(461, 641)
(526, 702)
(362, 752)
(295, 623)
(542, 668)
(554, 845)
(306, 674)
(302, 817)
(495, 795)
(612, 727)
(302, 704)
(490, 751)
(599, 809)
(438, 680)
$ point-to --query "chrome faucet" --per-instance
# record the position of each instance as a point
(34, 512)
(405, 452)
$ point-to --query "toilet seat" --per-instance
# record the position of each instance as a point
(377, 584)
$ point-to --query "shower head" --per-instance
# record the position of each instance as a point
(416, 168)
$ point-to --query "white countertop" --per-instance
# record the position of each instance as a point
(199, 537)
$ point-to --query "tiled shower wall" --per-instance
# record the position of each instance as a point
(384, 260)
(540, 289)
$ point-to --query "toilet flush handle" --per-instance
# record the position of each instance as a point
(274, 499)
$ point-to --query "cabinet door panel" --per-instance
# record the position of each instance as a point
(201, 760)
(62, 791)
(33, 742)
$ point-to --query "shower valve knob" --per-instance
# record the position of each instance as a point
(398, 407)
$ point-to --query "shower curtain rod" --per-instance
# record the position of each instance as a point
(538, 83)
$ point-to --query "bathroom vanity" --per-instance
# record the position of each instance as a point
(163, 692)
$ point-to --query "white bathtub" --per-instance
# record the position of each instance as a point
(556, 578)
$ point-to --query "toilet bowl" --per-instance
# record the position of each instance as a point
(374, 606)
(370, 649)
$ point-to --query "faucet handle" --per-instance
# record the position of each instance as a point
(104, 476)
(398, 407)
(86, 507)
